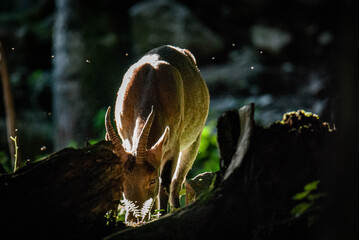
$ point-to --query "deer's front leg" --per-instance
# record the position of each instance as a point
(185, 162)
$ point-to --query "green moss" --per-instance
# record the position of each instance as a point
(302, 121)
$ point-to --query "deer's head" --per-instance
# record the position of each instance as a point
(141, 170)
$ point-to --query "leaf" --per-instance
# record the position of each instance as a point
(307, 190)
(121, 217)
(182, 192)
(301, 208)
(146, 208)
(311, 186)
(159, 210)
(300, 196)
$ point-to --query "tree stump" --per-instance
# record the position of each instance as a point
(199, 185)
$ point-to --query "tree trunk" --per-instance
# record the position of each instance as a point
(343, 217)
(68, 45)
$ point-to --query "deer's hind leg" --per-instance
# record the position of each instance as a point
(165, 185)
(184, 164)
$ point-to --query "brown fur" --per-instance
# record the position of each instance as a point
(166, 80)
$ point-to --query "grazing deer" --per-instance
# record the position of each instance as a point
(161, 108)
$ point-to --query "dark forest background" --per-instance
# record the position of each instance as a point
(66, 60)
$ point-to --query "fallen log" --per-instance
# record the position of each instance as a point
(64, 196)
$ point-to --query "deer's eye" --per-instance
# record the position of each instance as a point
(153, 181)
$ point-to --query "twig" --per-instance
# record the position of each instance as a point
(16, 165)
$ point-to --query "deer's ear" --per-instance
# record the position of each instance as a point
(157, 149)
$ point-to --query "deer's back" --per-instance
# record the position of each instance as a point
(168, 79)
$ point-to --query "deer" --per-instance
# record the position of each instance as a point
(160, 111)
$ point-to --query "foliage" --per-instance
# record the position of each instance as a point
(115, 217)
(307, 201)
(72, 144)
(207, 159)
(5, 161)
(99, 122)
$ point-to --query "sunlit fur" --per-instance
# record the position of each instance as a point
(165, 86)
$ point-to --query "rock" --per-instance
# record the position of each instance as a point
(155, 23)
(223, 103)
(318, 80)
(235, 75)
(269, 38)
